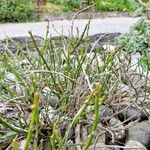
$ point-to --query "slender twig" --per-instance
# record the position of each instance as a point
(76, 14)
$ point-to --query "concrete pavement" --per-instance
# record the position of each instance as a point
(102, 25)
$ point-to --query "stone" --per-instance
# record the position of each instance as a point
(110, 48)
(11, 77)
(101, 146)
(134, 60)
(17, 89)
(48, 114)
(21, 144)
(138, 146)
(106, 112)
(96, 60)
(100, 135)
(84, 134)
(140, 132)
(53, 101)
(25, 43)
(132, 113)
(106, 39)
(117, 129)
(47, 145)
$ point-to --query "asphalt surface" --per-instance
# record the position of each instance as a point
(57, 28)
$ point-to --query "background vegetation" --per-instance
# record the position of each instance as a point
(54, 88)
(137, 41)
(102, 5)
(16, 10)
(117, 5)
(22, 10)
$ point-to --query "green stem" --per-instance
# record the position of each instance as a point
(41, 55)
(15, 145)
(96, 121)
(78, 115)
(9, 125)
(33, 120)
(37, 132)
(7, 137)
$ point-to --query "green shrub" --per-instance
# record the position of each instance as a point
(67, 4)
(15, 10)
(117, 5)
(102, 5)
(137, 40)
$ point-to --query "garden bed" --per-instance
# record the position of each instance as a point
(75, 93)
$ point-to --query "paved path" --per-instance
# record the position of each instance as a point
(106, 25)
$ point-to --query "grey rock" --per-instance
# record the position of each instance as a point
(49, 115)
(100, 135)
(21, 144)
(72, 148)
(140, 132)
(101, 138)
(101, 146)
(117, 129)
(47, 145)
(138, 146)
(25, 43)
(17, 89)
(84, 134)
(53, 101)
(105, 39)
(11, 77)
(132, 113)
(106, 112)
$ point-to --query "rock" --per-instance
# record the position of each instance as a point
(136, 80)
(25, 43)
(84, 134)
(110, 48)
(46, 91)
(133, 113)
(47, 145)
(136, 144)
(140, 132)
(101, 138)
(134, 60)
(106, 112)
(95, 60)
(21, 144)
(53, 101)
(101, 146)
(117, 129)
(104, 39)
(11, 77)
(17, 89)
(49, 114)
(99, 135)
